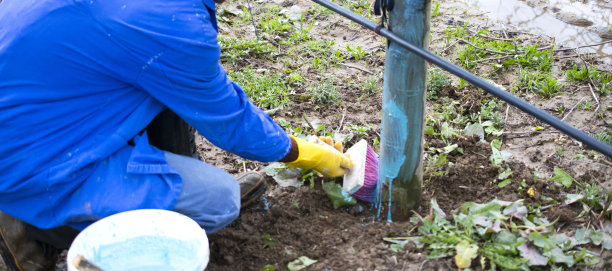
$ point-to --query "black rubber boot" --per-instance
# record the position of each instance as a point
(252, 187)
(169, 132)
(19, 251)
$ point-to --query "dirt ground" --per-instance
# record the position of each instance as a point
(291, 222)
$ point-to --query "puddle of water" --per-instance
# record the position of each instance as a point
(545, 21)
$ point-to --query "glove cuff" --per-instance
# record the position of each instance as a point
(293, 154)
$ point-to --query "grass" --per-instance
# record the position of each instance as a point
(265, 90)
(605, 136)
(436, 80)
(361, 7)
(235, 49)
(602, 81)
(323, 92)
(273, 23)
(370, 86)
(299, 34)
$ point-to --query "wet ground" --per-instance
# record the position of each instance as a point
(572, 23)
(290, 222)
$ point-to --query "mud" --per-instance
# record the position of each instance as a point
(292, 222)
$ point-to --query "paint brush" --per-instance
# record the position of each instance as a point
(361, 180)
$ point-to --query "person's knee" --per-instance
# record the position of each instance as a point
(215, 204)
(210, 195)
(220, 208)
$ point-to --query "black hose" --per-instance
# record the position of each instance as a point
(475, 80)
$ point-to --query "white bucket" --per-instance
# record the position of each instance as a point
(143, 240)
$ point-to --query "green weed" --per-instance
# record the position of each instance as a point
(356, 52)
(234, 49)
(533, 58)
(337, 56)
(467, 55)
(529, 81)
(294, 78)
(549, 87)
(273, 23)
(458, 32)
(490, 110)
(370, 86)
(605, 136)
(359, 129)
(323, 92)
(435, 9)
(436, 165)
(361, 7)
(504, 235)
(264, 90)
(299, 35)
(602, 80)
(319, 63)
(317, 48)
(540, 83)
(436, 80)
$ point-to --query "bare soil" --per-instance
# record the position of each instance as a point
(291, 222)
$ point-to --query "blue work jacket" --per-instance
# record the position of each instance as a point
(81, 79)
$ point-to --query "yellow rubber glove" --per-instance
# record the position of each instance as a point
(321, 157)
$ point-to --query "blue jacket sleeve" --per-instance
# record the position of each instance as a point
(189, 80)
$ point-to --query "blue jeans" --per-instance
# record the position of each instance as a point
(210, 195)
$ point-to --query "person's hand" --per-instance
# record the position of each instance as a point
(322, 157)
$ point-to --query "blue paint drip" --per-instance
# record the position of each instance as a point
(265, 202)
(389, 203)
(393, 142)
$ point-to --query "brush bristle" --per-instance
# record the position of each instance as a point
(367, 191)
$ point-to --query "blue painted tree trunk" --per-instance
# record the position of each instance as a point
(400, 172)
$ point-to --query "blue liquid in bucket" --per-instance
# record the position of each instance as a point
(149, 253)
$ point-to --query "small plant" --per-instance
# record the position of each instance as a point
(529, 81)
(490, 111)
(504, 235)
(498, 156)
(269, 241)
(234, 49)
(274, 23)
(435, 9)
(588, 106)
(323, 92)
(436, 80)
(264, 90)
(576, 75)
(458, 32)
(299, 34)
(533, 58)
(319, 63)
(602, 80)
(549, 87)
(360, 130)
(316, 48)
(294, 78)
(337, 56)
(358, 6)
(370, 86)
(356, 52)
(467, 55)
(605, 136)
(436, 165)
